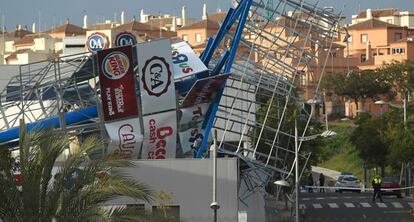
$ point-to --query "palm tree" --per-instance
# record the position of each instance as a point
(78, 190)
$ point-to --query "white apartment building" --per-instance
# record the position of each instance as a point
(393, 16)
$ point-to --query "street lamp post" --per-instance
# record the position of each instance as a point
(407, 165)
(296, 174)
(213, 150)
(284, 183)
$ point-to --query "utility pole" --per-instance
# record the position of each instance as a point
(407, 164)
(213, 152)
(296, 174)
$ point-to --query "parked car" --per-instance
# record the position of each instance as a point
(390, 183)
(347, 183)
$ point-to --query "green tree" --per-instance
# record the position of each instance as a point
(76, 194)
(368, 140)
(400, 75)
(285, 136)
(358, 85)
(399, 136)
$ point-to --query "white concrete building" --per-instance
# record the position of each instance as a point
(393, 16)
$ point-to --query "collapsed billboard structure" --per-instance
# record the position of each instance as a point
(158, 100)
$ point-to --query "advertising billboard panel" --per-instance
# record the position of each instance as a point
(117, 81)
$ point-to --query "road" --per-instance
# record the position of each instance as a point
(354, 207)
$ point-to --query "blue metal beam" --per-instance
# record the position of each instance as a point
(232, 14)
(208, 46)
(221, 63)
(52, 122)
(214, 107)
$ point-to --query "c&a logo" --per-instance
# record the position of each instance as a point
(115, 65)
(156, 76)
(124, 39)
(97, 42)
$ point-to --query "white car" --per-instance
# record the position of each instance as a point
(347, 183)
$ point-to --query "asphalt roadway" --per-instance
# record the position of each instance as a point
(354, 207)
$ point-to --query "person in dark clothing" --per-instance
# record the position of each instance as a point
(376, 184)
(310, 183)
(321, 183)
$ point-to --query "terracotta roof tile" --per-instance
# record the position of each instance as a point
(29, 38)
(14, 55)
(136, 26)
(159, 22)
(144, 29)
(25, 40)
(218, 17)
(19, 33)
(376, 13)
(207, 24)
(68, 29)
(101, 26)
(372, 23)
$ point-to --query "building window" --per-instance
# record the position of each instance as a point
(364, 38)
(363, 58)
(350, 39)
(198, 37)
(185, 37)
(398, 36)
(134, 208)
(398, 50)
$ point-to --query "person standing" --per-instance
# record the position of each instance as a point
(321, 183)
(376, 184)
(310, 183)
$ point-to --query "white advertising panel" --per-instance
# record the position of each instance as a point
(160, 136)
(156, 77)
(126, 138)
(191, 126)
(185, 61)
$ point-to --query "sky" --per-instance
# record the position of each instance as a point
(55, 12)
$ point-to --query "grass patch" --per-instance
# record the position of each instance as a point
(339, 153)
(346, 161)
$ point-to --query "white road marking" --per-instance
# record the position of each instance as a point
(397, 205)
(348, 197)
(333, 205)
(349, 205)
(306, 198)
(365, 205)
(320, 198)
(334, 198)
(317, 206)
(411, 204)
(382, 205)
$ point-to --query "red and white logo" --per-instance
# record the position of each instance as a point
(127, 141)
(156, 76)
(97, 42)
(115, 65)
(158, 140)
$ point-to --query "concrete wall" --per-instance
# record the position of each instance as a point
(191, 34)
(76, 45)
(189, 184)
